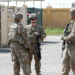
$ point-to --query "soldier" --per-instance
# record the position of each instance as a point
(36, 35)
(69, 60)
(18, 40)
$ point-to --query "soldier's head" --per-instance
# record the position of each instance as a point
(18, 17)
(33, 18)
(72, 13)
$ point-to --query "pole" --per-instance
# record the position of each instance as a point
(41, 4)
(41, 10)
(8, 3)
(33, 3)
(16, 3)
(2, 2)
(24, 2)
(33, 6)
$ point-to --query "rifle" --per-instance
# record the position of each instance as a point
(38, 47)
(65, 34)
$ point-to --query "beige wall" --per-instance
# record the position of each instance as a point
(4, 27)
(7, 18)
(55, 17)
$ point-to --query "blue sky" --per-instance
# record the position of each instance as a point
(53, 3)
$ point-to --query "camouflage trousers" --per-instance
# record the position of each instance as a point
(20, 57)
(32, 52)
(69, 60)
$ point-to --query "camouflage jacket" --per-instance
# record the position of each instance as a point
(33, 37)
(71, 36)
(21, 35)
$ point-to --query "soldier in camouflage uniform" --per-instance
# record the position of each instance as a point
(19, 46)
(69, 60)
(36, 35)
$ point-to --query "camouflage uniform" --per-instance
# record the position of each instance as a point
(32, 32)
(69, 59)
(19, 53)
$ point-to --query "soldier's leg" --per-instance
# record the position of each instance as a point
(72, 56)
(72, 53)
(16, 68)
(30, 58)
(16, 64)
(37, 64)
(23, 59)
(73, 65)
(66, 65)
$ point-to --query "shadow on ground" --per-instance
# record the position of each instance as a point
(8, 50)
(5, 50)
(50, 42)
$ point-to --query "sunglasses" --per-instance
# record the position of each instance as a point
(32, 19)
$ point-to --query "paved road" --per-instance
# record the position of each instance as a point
(51, 58)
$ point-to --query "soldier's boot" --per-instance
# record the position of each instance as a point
(16, 69)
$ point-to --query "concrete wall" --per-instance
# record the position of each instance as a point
(4, 26)
(7, 18)
(55, 17)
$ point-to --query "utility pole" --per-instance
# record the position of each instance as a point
(41, 10)
(8, 3)
(33, 3)
(24, 2)
(16, 3)
(33, 6)
(41, 4)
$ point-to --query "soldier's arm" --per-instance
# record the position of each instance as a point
(26, 39)
(43, 34)
(71, 37)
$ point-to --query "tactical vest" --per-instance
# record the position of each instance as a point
(30, 31)
(12, 30)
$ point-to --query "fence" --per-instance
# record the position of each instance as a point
(53, 17)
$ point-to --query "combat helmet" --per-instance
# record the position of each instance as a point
(33, 16)
(18, 15)
(72, 11)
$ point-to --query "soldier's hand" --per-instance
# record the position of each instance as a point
(62, 38)
(36, 33)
